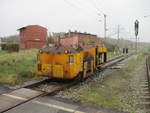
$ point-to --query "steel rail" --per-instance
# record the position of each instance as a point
(148, 70)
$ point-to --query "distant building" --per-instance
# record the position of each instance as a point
(33, 36)
(10, 39)
(77, 38)
(4, 40)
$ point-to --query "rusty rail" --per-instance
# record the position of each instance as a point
(148, 70)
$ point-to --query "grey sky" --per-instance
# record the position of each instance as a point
(81, 15)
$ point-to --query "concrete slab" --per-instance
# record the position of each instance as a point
(31, 107)
(58, 105)
(8, 100)
(48, 104)
(25, 93)
(4, 89)
(87, 108)
(49, 100)
(44, 105)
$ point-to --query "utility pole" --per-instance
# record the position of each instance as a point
(118, 34)
(118, 37)
(105, 29)
(105, 25)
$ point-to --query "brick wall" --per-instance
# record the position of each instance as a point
(69, 41)
(33, 36)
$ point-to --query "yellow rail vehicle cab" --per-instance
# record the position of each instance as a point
(68, 62)
(59, 63)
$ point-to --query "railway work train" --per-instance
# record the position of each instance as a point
(78, 54)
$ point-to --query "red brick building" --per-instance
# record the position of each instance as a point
(76, 38)
(33, 36)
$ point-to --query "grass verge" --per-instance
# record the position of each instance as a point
(3, 52)
(112, 91)
(112, 54)
(16, 68)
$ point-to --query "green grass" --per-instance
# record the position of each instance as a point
(100, 96)
(3, 52)
(112, 54)
(18, 67)
(112, 90)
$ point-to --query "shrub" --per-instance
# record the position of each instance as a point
(11, 47)
(3, 46)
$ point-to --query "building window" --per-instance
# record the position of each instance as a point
(71, 59)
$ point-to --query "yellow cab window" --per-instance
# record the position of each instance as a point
(71, 59)
(38, 58)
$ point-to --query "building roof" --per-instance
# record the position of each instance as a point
(30, 26)
(79, 33)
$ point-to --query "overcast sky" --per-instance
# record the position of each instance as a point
(80, 15)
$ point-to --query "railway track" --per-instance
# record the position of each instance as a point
(26, 84)
(32, 91)
(145, 87)
(29, 93)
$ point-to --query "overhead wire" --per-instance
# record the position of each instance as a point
(84, 4)
(70, 4)
(89, 7)
(122, 29)
(78, 6)
(115, 31)
(95, 6)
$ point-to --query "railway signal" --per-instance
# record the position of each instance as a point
(105, 29)
(136, 28)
